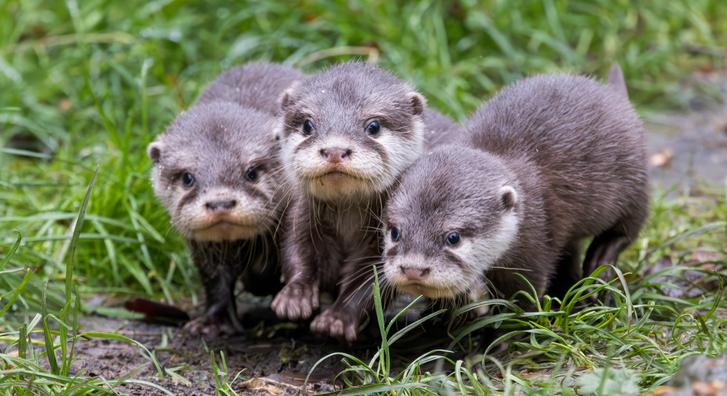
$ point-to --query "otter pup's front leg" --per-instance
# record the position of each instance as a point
(219, 274)
(342, 319)
(299, 297)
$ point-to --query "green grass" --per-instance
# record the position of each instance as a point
(636, 341)
(641, 336)
(87, 84)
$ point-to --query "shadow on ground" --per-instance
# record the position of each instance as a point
(686, 151)
(271, 357)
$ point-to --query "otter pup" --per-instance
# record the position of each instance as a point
(551, 160)
(440, 130)
(349, 131)
(216, 172)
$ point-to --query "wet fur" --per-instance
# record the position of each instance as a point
(229, 129)
(332, 238)
(570, 147)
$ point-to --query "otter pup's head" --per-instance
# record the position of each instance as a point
(350, 131)
(215, 171)
(453, 216)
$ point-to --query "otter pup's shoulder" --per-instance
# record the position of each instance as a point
(252, 85)
(550, 160)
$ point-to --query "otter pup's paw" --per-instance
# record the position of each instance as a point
(209, 327)
(296, 301)
(336, 323)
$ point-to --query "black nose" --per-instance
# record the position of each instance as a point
(335, 154)
(414, 273)
(214, 206)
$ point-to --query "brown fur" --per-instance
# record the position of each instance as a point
(554, 159)
(331, 239)
(229, 132)
(440, 130)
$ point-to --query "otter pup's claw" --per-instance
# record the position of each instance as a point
(337, 324)
(296, 301)
(209, 327)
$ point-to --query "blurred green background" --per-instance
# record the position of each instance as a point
(86, 83)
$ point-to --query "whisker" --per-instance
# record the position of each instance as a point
(511, 268)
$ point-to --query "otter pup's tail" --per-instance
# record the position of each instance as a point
(616, 80)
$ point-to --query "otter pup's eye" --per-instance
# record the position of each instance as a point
(251, 174)
(307, 127)
(453, 238)
(395, 234)
(373, 127)
(187, 179)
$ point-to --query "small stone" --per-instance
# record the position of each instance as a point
(662, 159)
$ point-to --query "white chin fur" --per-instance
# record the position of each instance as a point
(429, 292)
(443, 281)
(369, 175)
(225, 232)
(246, 220)
(363, 174)
(338, 187)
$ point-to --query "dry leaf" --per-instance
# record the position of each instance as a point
(662, 159)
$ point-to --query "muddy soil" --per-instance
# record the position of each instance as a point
(275, 363)
(271, 357)
(687, 151)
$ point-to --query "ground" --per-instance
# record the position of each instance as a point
(86, 85)
(688, 155)
(686, 151)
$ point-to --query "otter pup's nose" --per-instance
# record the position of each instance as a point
(335, 154)
(412, 273)
(215, 206)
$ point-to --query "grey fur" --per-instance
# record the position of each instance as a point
(331, 239)
(229, 130)
(560, 156)
(441, 130)
(616, 80)
(254, 85)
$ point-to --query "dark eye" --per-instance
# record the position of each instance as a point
(395, 234)
(373, 127)
(307, 127)
(453, 238)
(252, 174)
(187, 179)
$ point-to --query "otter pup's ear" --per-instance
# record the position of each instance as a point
(508, 197)
(616, 80)
(277, 128)
(418, 102)
(155, 151)
(287, 99)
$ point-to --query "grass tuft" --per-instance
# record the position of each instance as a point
(93, 82)
(648, 319)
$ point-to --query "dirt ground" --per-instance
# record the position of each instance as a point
(278, 364)
(685, 151)
(273, 357)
